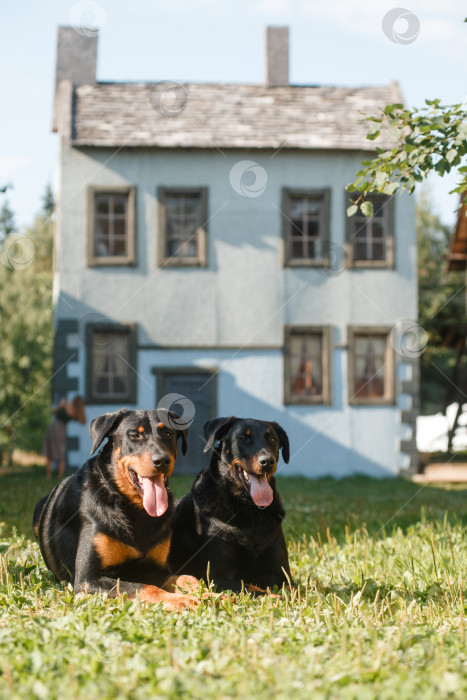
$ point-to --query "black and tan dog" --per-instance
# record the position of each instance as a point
(230, 526)
(107, 528)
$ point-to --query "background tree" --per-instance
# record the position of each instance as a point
(442, 299)
(432, 139)
(26, 335)
(48, 201)
(7, 220)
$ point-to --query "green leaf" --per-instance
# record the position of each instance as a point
(352, 210)
(380, 179)
(450, 155)
(372, 135)
(367, 208)
(391, 187)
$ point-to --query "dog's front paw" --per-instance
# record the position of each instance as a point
(176, 602)
(187, 583)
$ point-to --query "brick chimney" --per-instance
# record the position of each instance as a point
(277, 56)
(76, 60)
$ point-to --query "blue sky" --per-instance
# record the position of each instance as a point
(336, 43)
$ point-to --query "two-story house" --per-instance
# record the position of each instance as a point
(203, 249)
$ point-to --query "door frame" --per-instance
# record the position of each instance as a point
(161, 378)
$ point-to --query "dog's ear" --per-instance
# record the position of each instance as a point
(101, 427)
(183, 434)
(177, 423)
(217, 429)
(182, 429)
(283, 441)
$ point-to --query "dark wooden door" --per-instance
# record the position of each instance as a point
(199, 388)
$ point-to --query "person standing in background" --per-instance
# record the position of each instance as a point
(54, 445)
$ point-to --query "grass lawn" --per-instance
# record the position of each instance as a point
(380, 611)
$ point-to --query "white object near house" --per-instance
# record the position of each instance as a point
(432, 431)
(203, 249)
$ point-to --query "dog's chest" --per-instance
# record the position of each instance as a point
(253, 536)
(114, 553)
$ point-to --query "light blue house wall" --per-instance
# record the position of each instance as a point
(231, 315)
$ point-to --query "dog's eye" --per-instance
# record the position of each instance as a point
(272, 439)
(244, 438)
(167, 434)
(135, 435)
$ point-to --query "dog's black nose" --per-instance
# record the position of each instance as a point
(160, 461)
(266, 461)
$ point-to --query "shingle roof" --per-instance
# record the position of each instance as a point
(226, 116)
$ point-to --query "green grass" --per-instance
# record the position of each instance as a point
(379, 613)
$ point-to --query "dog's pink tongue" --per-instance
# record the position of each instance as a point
(260, 491)
(155, 499)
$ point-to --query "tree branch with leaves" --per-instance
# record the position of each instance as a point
(428, 139)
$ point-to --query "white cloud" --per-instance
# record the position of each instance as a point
(11, 165)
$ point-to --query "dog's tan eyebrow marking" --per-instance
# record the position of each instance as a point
(160, 425)
(247, 431)
(140, 429)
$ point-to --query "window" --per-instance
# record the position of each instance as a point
(111, 225)
(199, 386)
(307, 364)
(111, 364)
(306, 227)
(182, 227)
(371, 366)
(371, 240)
